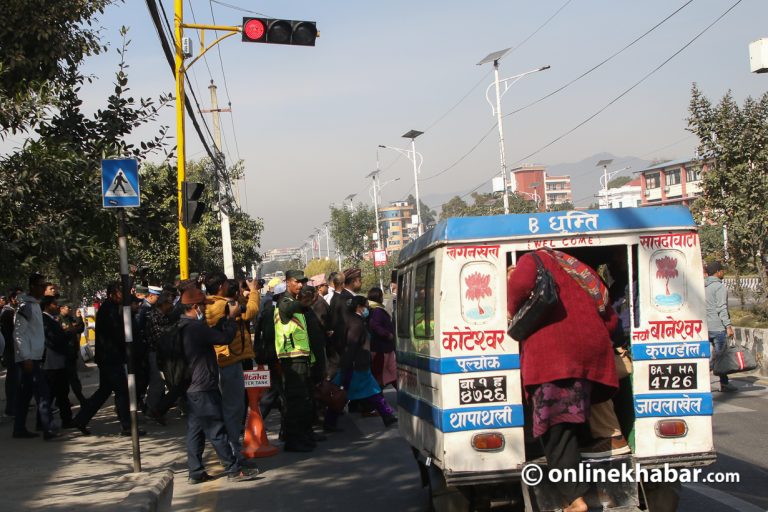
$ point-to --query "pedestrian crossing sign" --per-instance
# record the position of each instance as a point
(120, 183)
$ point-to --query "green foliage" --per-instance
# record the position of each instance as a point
(374, 276)
(349, 228)
(428, 215)
(486, 204)
(50, 188)
(735, 186)
(41, 45)
(619, 182)
(711, 240)
(561, 207)
(321, 266)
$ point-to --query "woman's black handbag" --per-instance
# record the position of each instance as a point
(532, 314)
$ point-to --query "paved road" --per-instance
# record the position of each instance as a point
(370, 468)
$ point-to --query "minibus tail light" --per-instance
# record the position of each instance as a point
(488, 442)
(671, 428)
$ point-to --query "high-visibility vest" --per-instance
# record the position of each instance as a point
(292, 339)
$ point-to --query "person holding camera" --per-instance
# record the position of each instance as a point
(224, 300)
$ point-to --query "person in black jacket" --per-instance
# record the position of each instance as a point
(74, 327)
(55, 364)
(111, 360)
(205, 419)
(266, 353)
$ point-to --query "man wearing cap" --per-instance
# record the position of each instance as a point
(111, 360)
(718, 319)
(205, 419)
(294, 351)
(265, 350)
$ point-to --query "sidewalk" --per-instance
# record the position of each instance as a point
(89, 473)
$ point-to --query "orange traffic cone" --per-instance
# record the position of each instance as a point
(256, 443)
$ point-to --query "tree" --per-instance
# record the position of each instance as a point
(486, 204)
(50, 188)
(561, 207)
(619, 181)
(428, 215)
(349, 228)
(321, 266)
(733, 141)
(42, 44)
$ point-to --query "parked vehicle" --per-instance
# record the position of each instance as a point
(460, 395)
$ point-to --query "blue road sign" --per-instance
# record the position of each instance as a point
(120, 183)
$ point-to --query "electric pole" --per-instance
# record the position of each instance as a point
(222, 178)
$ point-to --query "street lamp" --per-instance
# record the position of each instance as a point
(606, 177)
(508, 82)
(417, 159)
(327, 241)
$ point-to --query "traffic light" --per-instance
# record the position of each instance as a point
(271, 31)
(191, 208)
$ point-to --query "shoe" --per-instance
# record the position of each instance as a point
(127, 433)
(156, 416)
(82, 428)
(205, 477)
(389, 420)
(25, 434)
(318, 437)
(243, 475)
(298, 447)
(332, 428)
(50, 434)
(249, 463)
(728, 388)
(607, 447)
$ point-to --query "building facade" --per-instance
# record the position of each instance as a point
(629, 195)
(532, 182)
(673, 182)
(396, 224)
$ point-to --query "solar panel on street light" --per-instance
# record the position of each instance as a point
(494, 56)
(412, 134)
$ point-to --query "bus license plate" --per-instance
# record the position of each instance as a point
(672, 376)
(483, 390)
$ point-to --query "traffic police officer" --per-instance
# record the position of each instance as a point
(294, 353)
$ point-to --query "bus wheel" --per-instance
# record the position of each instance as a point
(442, 497)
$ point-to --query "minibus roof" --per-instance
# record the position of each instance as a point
(560, 223)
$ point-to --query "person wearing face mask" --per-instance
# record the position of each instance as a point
(206, 419)
(354, 373)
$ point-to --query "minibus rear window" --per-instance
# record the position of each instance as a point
(424, 301)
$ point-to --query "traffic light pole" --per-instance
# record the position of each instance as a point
(180, 72)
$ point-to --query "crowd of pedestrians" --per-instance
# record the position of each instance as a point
(192, 342)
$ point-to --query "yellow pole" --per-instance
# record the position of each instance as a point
(180, 150)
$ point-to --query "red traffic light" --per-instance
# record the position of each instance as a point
(272, 31)
(254, 30)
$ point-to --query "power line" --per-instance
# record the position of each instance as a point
(483, 78)
(241, 9)
(152, 6)
(624, 93)
(600, 64)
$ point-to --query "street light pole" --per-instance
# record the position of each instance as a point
(508, 82)
(413, 155)
(327, 241)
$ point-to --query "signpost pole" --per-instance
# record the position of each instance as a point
(122, 242)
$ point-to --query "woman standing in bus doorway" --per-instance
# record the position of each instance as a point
(382, 331)
(567, 365)
(354, 373)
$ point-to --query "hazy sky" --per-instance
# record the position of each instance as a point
(307, 120)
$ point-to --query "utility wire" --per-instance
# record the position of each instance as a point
(624, 93)
(485, 76)
(600, 64)
(241, 9)
(152, 6)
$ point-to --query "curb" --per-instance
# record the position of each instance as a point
(153, 492)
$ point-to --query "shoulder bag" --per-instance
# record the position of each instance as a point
(533, 312)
